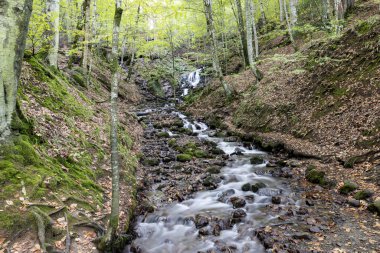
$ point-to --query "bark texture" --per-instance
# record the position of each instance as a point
(14, 20)
(242, 31)
(215, 58)
(52, 8)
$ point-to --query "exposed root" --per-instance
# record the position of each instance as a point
(41, 204)
(90, 224)
(41, 230)
(68, 239)
(78, 200)
(57, 210)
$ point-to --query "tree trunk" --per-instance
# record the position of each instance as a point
(52, 8)
(326, 14)
(215, 59)
(134, 49)
(289, 25)
(249, 12)
(293, 11)
(14, 20)
(242, 31)
(87, 38)
(115, 205)
(263, 16)
(281, 11)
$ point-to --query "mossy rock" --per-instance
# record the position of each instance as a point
(217, 151)
(151, 162)
(172, 142)
(214, 170)
(315, 176)
(178, 123)
(163, 135)
(186, 131)
(184, 158)
(246, 187)
(256, 187)
(348, 187)
(374, 207)
(257, 160)
(363, 194)
(200, 153)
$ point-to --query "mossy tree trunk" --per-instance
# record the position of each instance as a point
(281, 11)
(115, 205)
(242, 31)
(289, 25)
(14, 21)
(293, 11)
(52, 8)
(214, 45)
(87, 38)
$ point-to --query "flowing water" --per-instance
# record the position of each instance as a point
(172, 228)
(192, 81)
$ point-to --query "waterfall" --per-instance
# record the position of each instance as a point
(192, 81)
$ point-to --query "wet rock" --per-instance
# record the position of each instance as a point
(238, 151)
(238, 214)
(257, 160)
(309, 202)
(286, 172)
(257, 186)
(216, 229)
(302, 236)
(363, 194)
(237, 202)
(353, 202)
(231, 139)
(225, 195)
(246, 187)
(315, 229)
(276, 200)
(204, 231)
(302, 211)
(201, 221)
(217, 151)
(250, 198)
(348, 187)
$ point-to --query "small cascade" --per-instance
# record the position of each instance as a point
(192, 81)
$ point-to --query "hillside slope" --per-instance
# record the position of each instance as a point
(55, 169)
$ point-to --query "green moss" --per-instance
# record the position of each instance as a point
(348, 187)
(151, 162)
(163, 135)
(257, 160)
(374, 207)
(184, 157)
(363, 194)
(315, 176)
(213, 170)
(172, 142)
(200, 153)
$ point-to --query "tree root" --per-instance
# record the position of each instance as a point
(41, 230)
(68, 239)
(78, 200)
(40, 204)
(90, 224)
(58, 210)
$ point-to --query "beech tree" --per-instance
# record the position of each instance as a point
(52, 9)
(14, 20)
(214, 45)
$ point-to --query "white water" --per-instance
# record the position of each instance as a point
(168, 229)
(193, 79)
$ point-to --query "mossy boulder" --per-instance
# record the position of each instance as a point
(200, 153)
(315, 176)
(363, 194)
(256, 187)
(151, 162)
(217, 151)
(214, 170)
(348, 187)
(163, 135)
(257, 160)
(184, 158)
(374, 207)
(246, 187)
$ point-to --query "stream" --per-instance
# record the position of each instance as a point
(223, 219)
